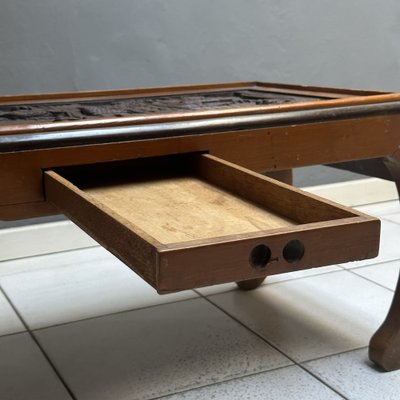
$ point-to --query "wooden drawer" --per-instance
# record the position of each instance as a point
(194, 220)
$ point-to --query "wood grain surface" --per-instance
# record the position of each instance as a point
(185, 208)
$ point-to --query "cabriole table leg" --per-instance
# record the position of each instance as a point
(384, 347)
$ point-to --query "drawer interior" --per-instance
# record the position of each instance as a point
(182, 208)
(192, 220)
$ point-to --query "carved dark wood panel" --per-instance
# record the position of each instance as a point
(144, 105)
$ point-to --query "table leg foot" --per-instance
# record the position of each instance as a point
(251, 283)
(384, 347)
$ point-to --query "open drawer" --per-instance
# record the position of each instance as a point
(194, 220)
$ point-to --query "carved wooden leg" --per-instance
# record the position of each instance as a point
(283, 176)
(384, 347)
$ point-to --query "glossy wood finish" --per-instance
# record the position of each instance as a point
(118, 134)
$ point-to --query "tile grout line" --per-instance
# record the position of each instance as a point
(304, 368)
(33, 337)
(368, 265)
(49, 253)
(12, 334)
(389, 220)
(334, 354)
(371, 281)
(114, 313)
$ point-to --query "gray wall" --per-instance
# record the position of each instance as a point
(58, 45)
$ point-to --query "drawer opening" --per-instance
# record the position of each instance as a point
(192, 220)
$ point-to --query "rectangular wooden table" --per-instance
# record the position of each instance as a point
(173, 180)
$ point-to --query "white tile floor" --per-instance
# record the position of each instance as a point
(80, 325)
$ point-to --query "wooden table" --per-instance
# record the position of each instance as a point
(172, 180)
